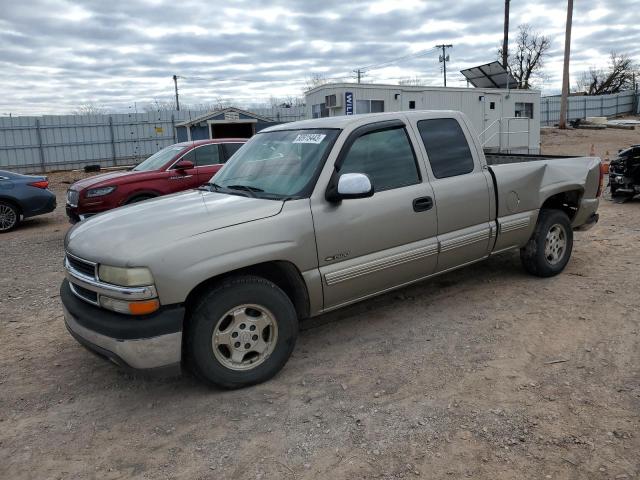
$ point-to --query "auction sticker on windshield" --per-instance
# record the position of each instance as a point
(309, 138)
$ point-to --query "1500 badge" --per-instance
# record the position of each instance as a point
(337, 256)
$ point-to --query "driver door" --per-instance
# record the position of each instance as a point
(179, 180)
(369, 245)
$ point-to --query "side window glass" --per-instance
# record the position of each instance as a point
(386, 156)
(207, 155)
(447, 147)
(230, 149)
(191, 157)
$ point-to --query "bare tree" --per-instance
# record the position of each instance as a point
(286, 102)
(90, 109)
(315, 80)
(617, 77)
(412, 81)
(529, 52)
(159, 106)
(218, 103)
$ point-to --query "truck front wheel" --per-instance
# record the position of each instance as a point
(549, 248)
(242, 332)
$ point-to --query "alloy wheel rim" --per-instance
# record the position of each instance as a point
(555, 244)
(7, 217)
(244, 337)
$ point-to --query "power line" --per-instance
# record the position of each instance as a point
(396, 60)
(360, 72)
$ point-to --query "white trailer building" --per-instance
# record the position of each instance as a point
(505, 120)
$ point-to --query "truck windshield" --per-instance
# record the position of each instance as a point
(158, 159)
(276, 165)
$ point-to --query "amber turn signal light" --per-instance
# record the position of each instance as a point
(144, 308)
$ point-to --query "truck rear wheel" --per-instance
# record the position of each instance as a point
(241, 333)
(549, 248)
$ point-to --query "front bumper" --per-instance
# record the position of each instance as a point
(75, 217)
(148, 343)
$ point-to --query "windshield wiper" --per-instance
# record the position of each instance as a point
(210, 187)
(246, 188)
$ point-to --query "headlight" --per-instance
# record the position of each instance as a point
(99, 192)
(126, 277)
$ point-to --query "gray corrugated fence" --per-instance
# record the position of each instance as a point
(585, 106)
(47, 143)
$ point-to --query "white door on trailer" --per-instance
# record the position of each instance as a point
(492, 115)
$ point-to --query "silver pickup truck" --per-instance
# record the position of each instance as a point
(308, 217)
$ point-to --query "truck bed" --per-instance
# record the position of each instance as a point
(502, 158)
(523, 185)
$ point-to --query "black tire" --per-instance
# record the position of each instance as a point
(533, 255)
(139, 198)
(210, 312)
(9, 216)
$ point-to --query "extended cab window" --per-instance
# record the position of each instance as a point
(386, 156)
(207, 155)
(447, 147)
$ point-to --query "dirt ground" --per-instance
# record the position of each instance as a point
(483, 373)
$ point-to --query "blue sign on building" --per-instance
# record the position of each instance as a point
(348, 103)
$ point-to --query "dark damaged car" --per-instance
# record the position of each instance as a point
(624, 172)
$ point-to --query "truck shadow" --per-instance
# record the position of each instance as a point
(505, 267)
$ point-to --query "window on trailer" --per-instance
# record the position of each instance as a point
(369, 106)
(319, 110)
(524, 110)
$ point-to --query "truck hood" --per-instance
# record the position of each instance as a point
(122, 236)
(104, 179)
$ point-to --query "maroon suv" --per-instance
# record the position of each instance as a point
(177, 167)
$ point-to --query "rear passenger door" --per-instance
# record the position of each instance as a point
(462, 192)
(368, 245)
(208, 161)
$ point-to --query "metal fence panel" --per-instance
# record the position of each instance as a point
(58, 142)
(589, 106)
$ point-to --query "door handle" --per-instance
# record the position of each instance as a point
(422, 204)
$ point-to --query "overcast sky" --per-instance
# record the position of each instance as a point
(56, 55)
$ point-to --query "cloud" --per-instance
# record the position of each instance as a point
(58, 54)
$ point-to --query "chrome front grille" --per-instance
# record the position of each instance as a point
(85, 284)
(72, 198)
(82, 266)
(84, 293)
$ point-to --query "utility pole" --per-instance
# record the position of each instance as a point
(565, 71)
(444, 58)
(505, 40)
(358, 72)
(175, 82)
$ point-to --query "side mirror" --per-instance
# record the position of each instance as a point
(350, 185)
(183, 165)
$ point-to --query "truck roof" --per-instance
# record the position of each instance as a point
(344, 121)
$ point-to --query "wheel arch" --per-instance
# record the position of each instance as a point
(281, 272)
(567, 201)
(141, 193)
(13, 202)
